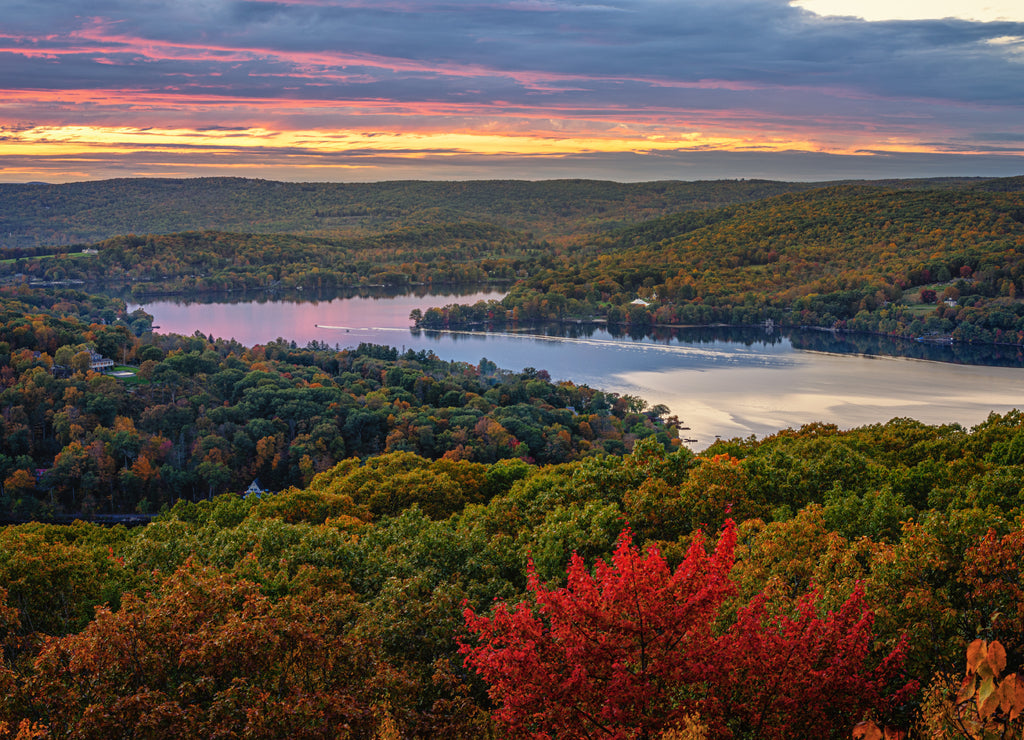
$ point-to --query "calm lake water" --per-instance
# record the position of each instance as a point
(725, 383)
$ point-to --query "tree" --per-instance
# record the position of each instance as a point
(630, 651)
(993, 573)
(209, 655)
(803, 675)
(54, 585)
(607, 655)
(215, 474)
(715, 489)
(19, 483)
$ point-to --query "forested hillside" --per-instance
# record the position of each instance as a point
(861, 567)
(909, 263)
(41, 214)
(906, 262)
(207, 261)
(903, 259)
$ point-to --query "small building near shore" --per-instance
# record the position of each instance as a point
(98, 363)
(254, 490)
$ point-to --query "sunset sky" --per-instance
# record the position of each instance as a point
(356, 90)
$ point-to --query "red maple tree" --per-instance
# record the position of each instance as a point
(607, 655)
(630, 650)
(801, 674)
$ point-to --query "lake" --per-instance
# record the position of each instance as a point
(724, 383)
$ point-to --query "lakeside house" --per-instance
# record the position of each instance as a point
(254, 490)
(98, 363)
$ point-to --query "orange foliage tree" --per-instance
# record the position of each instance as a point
(212, 656)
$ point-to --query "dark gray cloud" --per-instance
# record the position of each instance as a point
(763, 42)
(725, 66)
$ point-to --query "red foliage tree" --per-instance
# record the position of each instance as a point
(606, 655)
(629, 651)
(803, 675)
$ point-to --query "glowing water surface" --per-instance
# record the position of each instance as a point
(719, 383)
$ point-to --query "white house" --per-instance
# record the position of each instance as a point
(99, 363)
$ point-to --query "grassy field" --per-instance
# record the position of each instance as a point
(12, 260)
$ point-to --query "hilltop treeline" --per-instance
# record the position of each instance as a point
(337, 607)
(196, 416)
(42, 214)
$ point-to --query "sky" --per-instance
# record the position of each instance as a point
(627, 90)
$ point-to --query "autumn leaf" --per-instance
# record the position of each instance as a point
(867, 730)
(976, 653)
(1011, 696)
(996, 657)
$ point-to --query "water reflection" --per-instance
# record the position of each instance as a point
(810, 340)
(867, 344)
(394, 305)
(721, 381)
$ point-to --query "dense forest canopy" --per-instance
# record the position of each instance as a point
(444, 549)
(905, 258)
(876, 555)
(40, 214)
(194, 417)
(358, 598)
(196, 262)
(908, 263)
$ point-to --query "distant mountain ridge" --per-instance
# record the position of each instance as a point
(38, 214)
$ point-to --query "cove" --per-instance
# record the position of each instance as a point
(721, 382)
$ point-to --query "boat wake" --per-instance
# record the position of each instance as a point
(702, 352)
(360, 328)
(719, 357)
